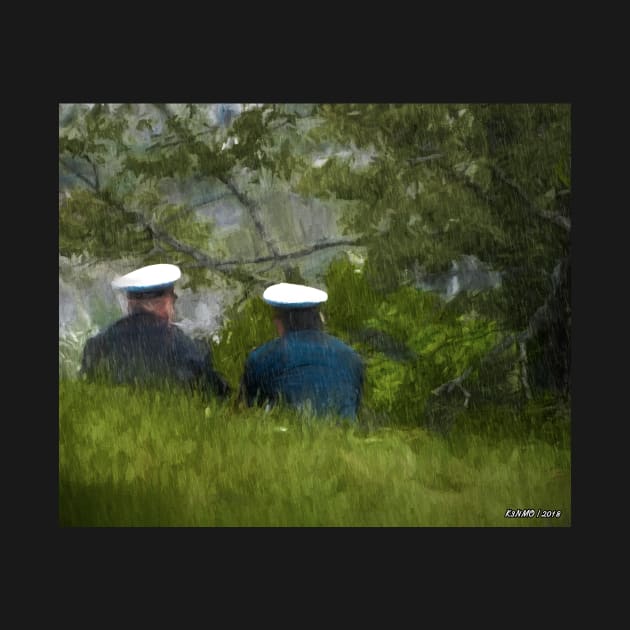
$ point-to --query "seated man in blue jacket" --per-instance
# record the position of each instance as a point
(304, 367)
(146, 347)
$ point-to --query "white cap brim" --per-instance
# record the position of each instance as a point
(286, 295)
(150, 278)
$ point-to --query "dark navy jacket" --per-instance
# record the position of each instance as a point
(144, 349)
(303, 366)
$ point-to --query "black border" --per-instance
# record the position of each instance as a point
(456, 547)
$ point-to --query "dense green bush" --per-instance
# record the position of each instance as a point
(247, 325)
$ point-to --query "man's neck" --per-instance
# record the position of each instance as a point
(162, 317)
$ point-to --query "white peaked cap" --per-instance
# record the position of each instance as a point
(150, 278)
(286, 295)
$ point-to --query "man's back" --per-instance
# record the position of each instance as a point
(303, 366)
(147, 350)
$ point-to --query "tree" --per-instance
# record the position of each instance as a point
(487, 180)
(118, 162)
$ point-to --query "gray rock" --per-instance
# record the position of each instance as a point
(467, 273)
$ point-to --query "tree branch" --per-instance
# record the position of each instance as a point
(97, 184)
(523, 361)
(425, 158)
(449, 386)
(562, 221)
(202, 259)
(74, 172)
(558, 219)
(207, 201)
(174, 143)
(298, 254)
(252, 208)
(156, 234)
(206, 261)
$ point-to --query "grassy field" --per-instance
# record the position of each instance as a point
(163, 459)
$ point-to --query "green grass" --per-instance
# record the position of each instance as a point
(159, 458)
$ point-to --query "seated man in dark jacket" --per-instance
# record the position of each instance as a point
(146, 347)
(305, 367)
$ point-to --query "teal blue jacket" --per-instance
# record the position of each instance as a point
(305, 368)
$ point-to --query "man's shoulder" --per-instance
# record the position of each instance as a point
(177, 331)
(264, 351)
(93, 342)
(308, 341)
(104, 334)
(194, 345)
(126, 322)
(338, 344)
(144, 326)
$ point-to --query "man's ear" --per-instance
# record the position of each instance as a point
(279, 325)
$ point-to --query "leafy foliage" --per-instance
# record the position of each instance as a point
(435, 178)
(247, 326)
(414, 341)
(487, 180)
(116, 206)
